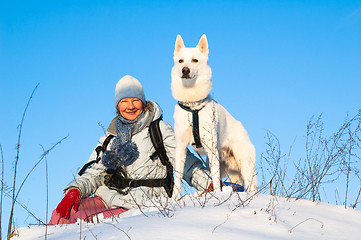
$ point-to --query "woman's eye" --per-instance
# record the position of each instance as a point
(180, 60)
(195, 60)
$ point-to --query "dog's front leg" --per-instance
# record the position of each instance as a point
(210, 146)
(214, 163)
(180, 159)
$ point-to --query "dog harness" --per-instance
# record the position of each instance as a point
(195, 107)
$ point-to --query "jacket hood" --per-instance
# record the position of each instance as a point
(152, 112)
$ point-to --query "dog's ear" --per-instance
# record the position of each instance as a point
(178, 44)
(203, 45)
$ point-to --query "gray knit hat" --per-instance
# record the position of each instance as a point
(128, 87)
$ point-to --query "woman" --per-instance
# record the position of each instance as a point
(130, 154)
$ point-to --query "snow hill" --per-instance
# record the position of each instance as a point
(226, 215)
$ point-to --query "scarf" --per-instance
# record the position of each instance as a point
(123, 151)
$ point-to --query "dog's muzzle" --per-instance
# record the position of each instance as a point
(186, 72)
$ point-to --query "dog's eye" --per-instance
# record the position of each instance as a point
(180, 60)
(195, 60)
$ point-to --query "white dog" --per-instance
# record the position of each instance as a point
(201, 121)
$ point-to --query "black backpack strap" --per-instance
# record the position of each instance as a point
(98, 149)
(157, 140)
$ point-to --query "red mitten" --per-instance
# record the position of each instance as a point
(70, 200)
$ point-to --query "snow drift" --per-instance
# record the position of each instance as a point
(225, 215)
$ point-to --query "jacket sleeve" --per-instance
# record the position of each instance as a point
(93, 177)
(195, 173)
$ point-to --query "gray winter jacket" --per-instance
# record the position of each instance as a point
(92, 180)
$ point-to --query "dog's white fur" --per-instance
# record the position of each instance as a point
(224, 139)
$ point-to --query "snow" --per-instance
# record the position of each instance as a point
(225, 215)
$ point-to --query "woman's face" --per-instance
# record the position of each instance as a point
(130, 108)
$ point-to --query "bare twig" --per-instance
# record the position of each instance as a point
(16, 164)
(327, 160)
(126, 233)
(102, 126)
(356, 201)
(25, 208)
(47, 194)
(308, 219)
(32, 169)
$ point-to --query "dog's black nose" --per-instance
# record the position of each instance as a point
(186, 71)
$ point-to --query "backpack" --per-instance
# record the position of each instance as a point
(118, 181)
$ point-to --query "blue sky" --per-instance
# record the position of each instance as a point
(275, 65)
